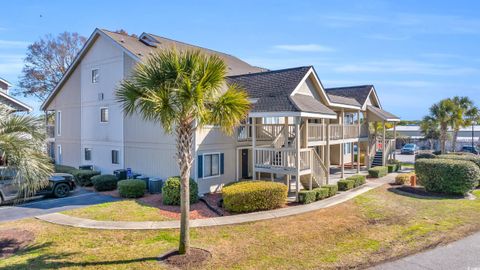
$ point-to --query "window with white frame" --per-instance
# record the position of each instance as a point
(211, 165)
(88, 153)
(104, 115)
(58, 122)
(115, 157)
(95, 75)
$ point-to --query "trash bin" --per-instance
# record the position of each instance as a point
(86, 167)
(120, 174)
(143, 178)
(155, 185)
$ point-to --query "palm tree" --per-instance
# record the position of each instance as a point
(184, 91)
(22, 148)
(443, 113)
(464, 112)
(429, 128)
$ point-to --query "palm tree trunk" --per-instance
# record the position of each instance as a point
(443, 137)
(454, 140)
(184, 133)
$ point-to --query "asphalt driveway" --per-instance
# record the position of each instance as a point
(77, 199)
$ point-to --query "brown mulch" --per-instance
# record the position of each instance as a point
(13, 240)
(196, 257)
(420, 191)
(197, 210)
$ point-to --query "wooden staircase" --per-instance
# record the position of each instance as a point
(377, 159)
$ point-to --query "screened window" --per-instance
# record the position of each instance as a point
(58, 122)
(211, 165)
(104, 115)
(88, 153)
(115, 157)
(95, 75)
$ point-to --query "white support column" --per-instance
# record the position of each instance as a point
(394, 140)
(254, 144)
(358, 157)
(237, 164)
(342, 146)
(352, 154)
(297, 160)
(285, 131)
(384, 154)
(311, 170)
(327, 154)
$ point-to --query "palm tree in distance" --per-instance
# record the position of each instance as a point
(184, 91)
(464, 112)
(443, 113)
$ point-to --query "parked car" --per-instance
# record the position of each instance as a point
(60, 185)
(470, 149)
(409, 149)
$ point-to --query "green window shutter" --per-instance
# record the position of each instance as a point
(200, 166)
(222, 167)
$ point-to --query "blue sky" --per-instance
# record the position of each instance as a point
(414, 52)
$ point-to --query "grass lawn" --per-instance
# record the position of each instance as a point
(407, 165)
(125, 210)
(373, 227)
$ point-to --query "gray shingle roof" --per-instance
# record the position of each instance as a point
(272, 90)
(343, 100)
(358, 93)
(382, 113)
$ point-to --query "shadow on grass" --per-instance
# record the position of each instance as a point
(59, 260)
(421, 193)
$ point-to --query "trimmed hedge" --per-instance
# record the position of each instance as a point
(64, 169)
(358, 179)
(377, 172)
(345, 184)
(306, 196)
(171, 191)
(104, 182)
(447, 176)
(131, 188)
(249, 196)
(391, 168)
(83, 177)
(322, 193)
(403, 178)
(332, 189)
(396, 162)
(472, 158)
(425, 155)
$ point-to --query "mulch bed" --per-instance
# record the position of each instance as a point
(195, 258)
(13, 240)
(420, 191)
(197, 210)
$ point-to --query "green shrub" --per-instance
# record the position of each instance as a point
(425, 155)
(358, 179)
(332, 189)
(403, 178)
(448, 176)
(391, 168)
(472, 158)
(322, 193)
(396, 162)
(83, 177)
(306, 196)
(377, 172)
(64, 169)
(171, 191)
(104, 182)
(249, 196)
(345, 184)
(131, 188)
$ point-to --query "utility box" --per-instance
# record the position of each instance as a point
(155, 185)
(120, 174)
(143, 178)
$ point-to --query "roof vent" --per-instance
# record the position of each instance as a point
(148, 40)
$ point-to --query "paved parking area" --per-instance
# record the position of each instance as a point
(405, 158)
(79, 198)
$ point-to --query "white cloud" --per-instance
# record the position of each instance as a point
(13, 44)
(304, 48)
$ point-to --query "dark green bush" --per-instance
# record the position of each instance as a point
(249, 196)
(306, 196)
(322, 193)
(83, 177)
(332, 189)
(171, 191)
(447, 176)
(377, 172)
(396, 162)
(345, 184)
(425, 155)
(64, 169)
(104, 182)
(391, 168)
(131, 188)
(358, 179)
(472, 158)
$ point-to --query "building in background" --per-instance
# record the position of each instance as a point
(10, 101)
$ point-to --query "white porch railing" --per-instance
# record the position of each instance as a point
(283, 158)
(305, 159)
(265, 132)
(335, 132)
(317, 132)
(350, 131)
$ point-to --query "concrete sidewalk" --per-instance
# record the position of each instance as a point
(61, 219)
(462, 254)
